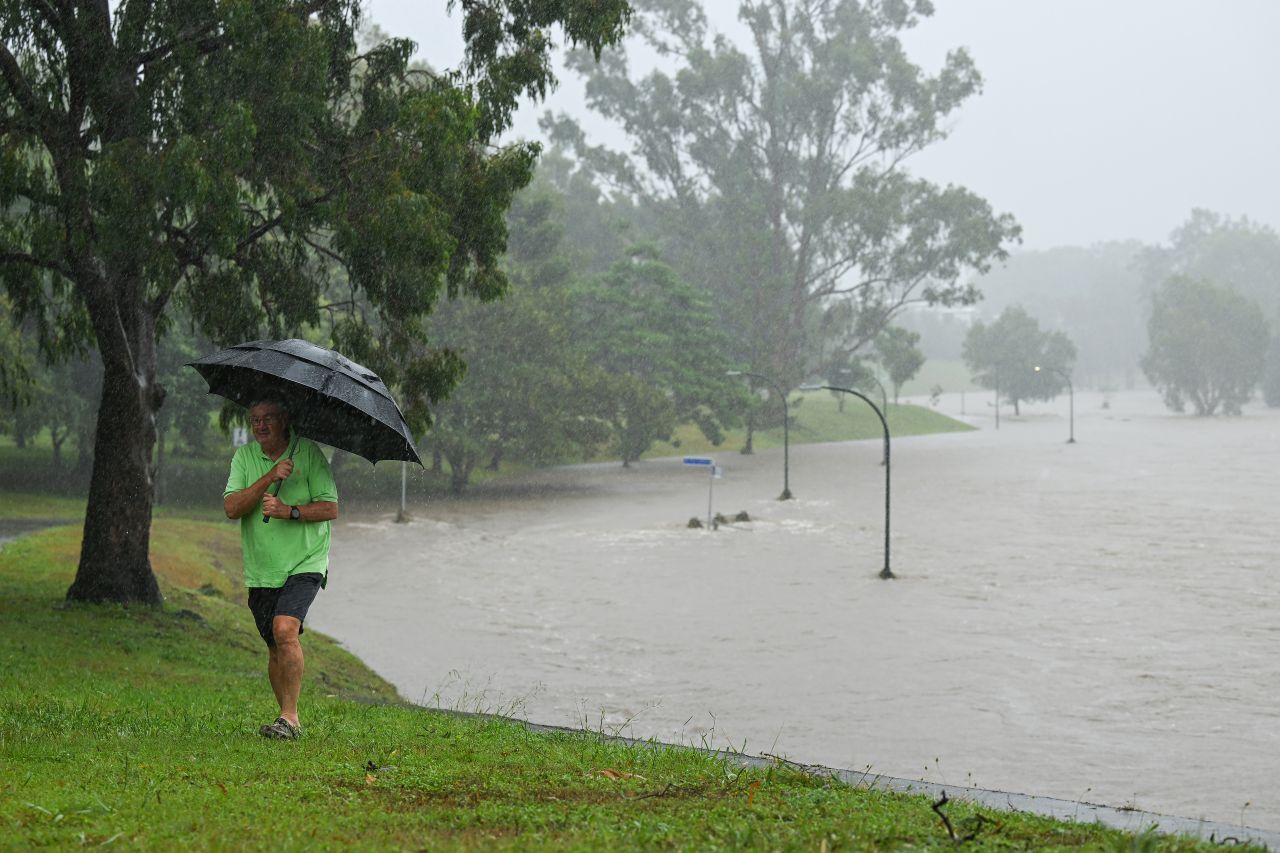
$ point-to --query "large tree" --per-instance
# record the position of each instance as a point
(899, 356)
(208, 155)
(1208, 345)
(1238, 253)
(1004, 355)
(529, 386)
(775, 169)
(656, 338)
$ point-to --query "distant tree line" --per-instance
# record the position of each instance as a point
(1195, 317)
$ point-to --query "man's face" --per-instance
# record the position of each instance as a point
(269, 422)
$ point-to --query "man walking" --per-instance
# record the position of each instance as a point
(284, 535)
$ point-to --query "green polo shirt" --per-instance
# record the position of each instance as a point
(283, 547)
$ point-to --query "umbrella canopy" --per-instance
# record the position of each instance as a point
(329, 398)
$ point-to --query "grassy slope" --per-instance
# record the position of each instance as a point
(818, 418)
(952, 375)
(138, 726)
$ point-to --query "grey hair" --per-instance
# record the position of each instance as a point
(275, 401)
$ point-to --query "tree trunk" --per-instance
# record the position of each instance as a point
(160, 472)
(461, 463)
(747, 448)
(459, 476)
(114, 556)
(55, 440)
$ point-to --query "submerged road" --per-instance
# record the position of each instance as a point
(1091, 621)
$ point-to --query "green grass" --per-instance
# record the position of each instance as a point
(952, 375)
(818, 418)
(137, 726)
(32, 505)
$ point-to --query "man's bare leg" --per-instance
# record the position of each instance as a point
(285, 666)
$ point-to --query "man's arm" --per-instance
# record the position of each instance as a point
(241, 503)
(314, 511)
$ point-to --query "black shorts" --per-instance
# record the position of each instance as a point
(292, 599)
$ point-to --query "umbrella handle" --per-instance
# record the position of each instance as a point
(276, 484)
(293, 445)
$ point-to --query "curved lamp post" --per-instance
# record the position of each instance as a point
(786, 429)
(1071, 392)
(884, 406)
(885, 573)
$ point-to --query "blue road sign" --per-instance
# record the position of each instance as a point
(705, 461)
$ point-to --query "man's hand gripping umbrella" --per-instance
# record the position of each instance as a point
(270, 503)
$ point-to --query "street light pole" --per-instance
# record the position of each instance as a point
(884, 403)
(786, 429)
(886, 573)
(1071, 396)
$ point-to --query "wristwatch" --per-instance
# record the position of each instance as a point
(295, 513)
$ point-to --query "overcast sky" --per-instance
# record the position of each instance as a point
(1099, 119)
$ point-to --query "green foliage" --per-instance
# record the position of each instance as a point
(58, 401)
(598, 229)
(901, 359)
(657, 338)
(1005, 354)
(244, 163)
(1237, 253)
(188, 406)
(529, 388)
(1208, 346)
(772, 177)
(17, 363)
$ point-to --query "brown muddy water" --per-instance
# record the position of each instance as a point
(1092, 621)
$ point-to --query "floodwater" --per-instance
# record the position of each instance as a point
(1089, 621)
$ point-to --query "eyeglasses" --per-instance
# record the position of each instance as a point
(265, 420)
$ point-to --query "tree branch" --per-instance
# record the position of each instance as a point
(267, 226)
(328, 253)
(21, 90)
(32, 260)
(55, 18)
(197, 35)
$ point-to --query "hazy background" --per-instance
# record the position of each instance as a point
(1098, 121)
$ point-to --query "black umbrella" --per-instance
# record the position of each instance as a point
(329, 398)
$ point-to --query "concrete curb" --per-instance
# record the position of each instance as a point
(1126, 819)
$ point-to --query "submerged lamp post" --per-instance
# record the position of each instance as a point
(1071, 396)
(786, 429)
(885, 573)
(884, 406)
